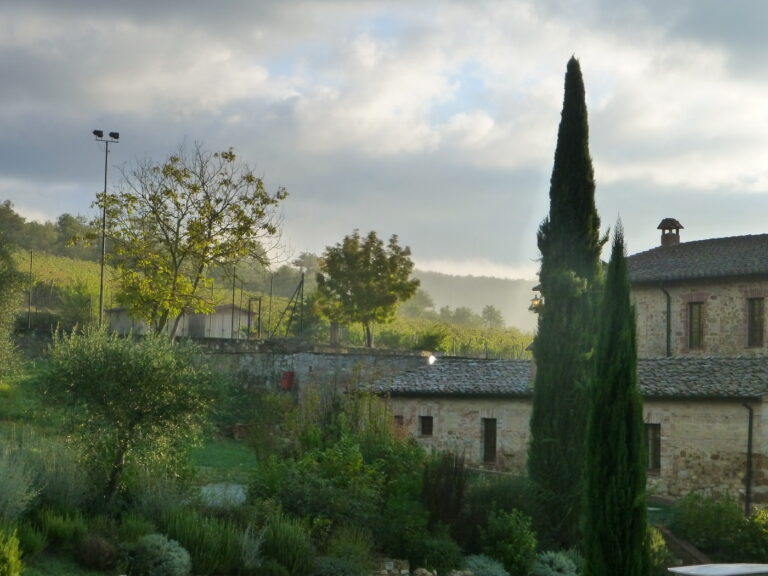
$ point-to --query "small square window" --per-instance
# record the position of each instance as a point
(425, 425)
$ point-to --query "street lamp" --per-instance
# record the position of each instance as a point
(112, 138)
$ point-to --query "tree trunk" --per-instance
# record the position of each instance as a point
(368, 335)
(116, 473)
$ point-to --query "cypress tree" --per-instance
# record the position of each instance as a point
(615, 510)
(570, 246)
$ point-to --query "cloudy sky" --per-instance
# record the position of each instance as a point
(432, 120)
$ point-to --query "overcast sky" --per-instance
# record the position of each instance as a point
(436, 121)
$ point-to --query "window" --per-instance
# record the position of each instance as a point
(489, 439)
(653, 447)
(755, 321)
(695, 325)
(425, 425)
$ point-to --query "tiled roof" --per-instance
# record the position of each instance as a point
(679, 377)
(713, 258)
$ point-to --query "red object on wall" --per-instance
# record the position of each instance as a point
(287, 382)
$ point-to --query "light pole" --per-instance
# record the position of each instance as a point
(112, 139)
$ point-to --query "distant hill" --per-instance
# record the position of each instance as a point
(511, 297)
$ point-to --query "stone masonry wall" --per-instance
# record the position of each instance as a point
(457, 427)
(703, 443)
(724, 313)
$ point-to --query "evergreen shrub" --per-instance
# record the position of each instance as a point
(31, 539)
(337, 566)
(708, 522)
(554, 563)
(156, 555)
(133, 526)
(436, 551)
(482, 565)
(62, 530)
(17, 492)
(214, 545)
(10, 553)
(510, 539)
(287, 541)
(354, 545)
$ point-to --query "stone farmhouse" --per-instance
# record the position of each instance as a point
(702, 370)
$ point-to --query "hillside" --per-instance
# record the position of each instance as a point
(511, 297)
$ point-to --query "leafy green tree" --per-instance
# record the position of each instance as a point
(363, 281)
(615, 512)
(570, 246)
(10, 285)
(171, 222)
(421, 305)
(492, 317)
(141, 400)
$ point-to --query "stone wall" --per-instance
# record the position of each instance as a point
(725, 318)
(457, 427)
(703, 443)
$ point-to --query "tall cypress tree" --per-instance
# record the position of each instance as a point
(615, 512)
(570, 244)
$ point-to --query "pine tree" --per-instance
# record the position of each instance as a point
(570, 246)
(615, 512)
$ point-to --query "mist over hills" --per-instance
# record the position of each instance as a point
(511, 297)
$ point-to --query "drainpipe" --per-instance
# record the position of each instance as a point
(669, 320)
(748, 477)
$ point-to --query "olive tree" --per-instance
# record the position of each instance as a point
(129, 399)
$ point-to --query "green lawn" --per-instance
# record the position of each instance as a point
(224, 460)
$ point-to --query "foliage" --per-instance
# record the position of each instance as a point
(132, 399)
(78, 304)
(707, 522)
(31, 539)
(354, 545)
(17, 493)
(487, 493)
(660, 558)
(10, 553)
(97, 553)
(133, 526)
(156, 555)
(287, 542)
(10, 282)
(435, 550)
(510, 539)
(213, 544)
(615, 540)
(554, 563)
(569, 276)
(174, 220)
(363, 281)
(481, 565)
(445, 481)
(62, 530)
(337, 566)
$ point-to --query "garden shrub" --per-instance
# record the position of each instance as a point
(17, 492)
(250, 549)
(338, 566)
(62, 530)
(660, 556)
(63, 483)
(354, 545)
(554, 563)
(482, 565)
(95, 552)
(133, 526)
(10, 553)
(435, 551)
(214, 545)
(31, 539)
(510, 539)
(708, 522)
(443, 487)
(156, 555)
(287, 541)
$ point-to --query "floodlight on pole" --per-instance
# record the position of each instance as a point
(112, 139)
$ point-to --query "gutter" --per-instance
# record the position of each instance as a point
(748, 476)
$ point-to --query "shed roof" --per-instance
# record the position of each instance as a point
(735, 256)
(741, 378)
